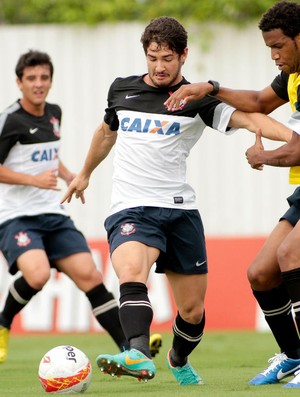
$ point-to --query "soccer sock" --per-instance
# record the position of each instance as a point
(186, 337)
(291, 279)
(105, 309)
(19, 295)
(277, 308)
(136, 315)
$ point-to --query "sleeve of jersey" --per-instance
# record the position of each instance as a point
(59, 113)
(221, 119)
(7, 139)
(279, 85)
(110, 116)
(294, 122)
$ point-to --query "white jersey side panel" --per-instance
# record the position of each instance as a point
(20, 200)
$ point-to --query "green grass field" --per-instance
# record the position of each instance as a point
(225, 360)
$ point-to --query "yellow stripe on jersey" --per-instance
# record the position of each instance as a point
(293, 83)
(294, 175)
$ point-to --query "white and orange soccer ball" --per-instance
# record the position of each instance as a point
(65, 369)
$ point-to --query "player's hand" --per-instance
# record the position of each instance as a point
(253, 154)
(187, 93)
(76, 188)
(47, 179)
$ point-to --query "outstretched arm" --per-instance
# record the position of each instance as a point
(102, 142)
(270, 128)
(263, 101)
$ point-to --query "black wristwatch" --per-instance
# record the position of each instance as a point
(216, 87)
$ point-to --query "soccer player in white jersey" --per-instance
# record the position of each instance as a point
(154, 217)
(274, 274)
(35, 231)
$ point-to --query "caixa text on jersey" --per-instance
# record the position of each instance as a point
(152, 126)
(45, 155)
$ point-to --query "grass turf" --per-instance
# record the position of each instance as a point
(225, 360)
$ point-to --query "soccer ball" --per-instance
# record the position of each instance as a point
(65, 369)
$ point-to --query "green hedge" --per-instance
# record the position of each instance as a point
(96, 11)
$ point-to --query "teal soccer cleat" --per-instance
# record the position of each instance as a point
(130, 363)
(280, 367)
(185, 375)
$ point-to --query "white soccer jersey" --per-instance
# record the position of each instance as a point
(29, 145)
(153, 144)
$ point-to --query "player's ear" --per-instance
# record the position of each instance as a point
(184, 55)
(19, 83)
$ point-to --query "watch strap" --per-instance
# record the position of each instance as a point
(216, 87)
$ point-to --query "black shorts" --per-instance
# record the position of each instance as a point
(54, 233)
(292, 215)
(178, 234)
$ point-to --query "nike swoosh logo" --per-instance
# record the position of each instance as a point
(281, 374)
(33, 130)
(200, 264)
(131, 96)
(129, 361)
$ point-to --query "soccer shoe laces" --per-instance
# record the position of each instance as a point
(188, 375)
(275, 361)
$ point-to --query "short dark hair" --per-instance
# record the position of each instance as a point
(165, 31)
(284, 15)
(33, 58)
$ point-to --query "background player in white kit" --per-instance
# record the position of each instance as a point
(35, 231)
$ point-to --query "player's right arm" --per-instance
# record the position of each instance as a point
(45, 180)
(103, 140)
(263, 101)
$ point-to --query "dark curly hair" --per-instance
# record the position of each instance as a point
(284, 15)
(33, 58)
(165, 31)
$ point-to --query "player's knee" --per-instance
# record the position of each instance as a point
(286, 257)
(257, 276)
(251, 275)
(38, 280)
(88, 280)
(262, 279)
(193, 315)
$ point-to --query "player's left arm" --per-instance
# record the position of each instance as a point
(269, 127)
